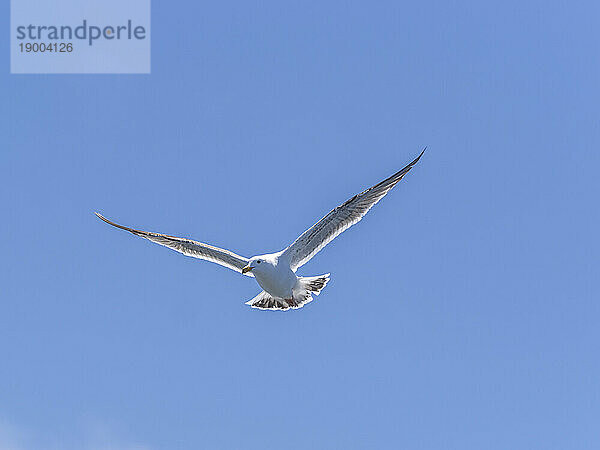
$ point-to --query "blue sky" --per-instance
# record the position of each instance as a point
(462, 312)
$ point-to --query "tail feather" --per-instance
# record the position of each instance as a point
(302, 294)
(265, 300)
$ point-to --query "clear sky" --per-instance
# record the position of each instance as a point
(462, 312)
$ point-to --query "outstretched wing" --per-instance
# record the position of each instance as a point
(341, 218)
(189, 247)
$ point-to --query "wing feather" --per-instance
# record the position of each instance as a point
(340, 219)
(189, 247)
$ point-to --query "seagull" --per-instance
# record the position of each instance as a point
(276, 272)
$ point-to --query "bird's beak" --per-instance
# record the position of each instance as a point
(246, 269)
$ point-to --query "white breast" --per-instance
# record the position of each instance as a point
(279, 282)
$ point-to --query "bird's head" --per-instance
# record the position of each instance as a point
(259, 264)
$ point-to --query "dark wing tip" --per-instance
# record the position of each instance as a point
(101, 217)
(416, 160)
(104, 219)
(407, 168)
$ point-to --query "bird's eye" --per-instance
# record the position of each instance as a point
(258, 261)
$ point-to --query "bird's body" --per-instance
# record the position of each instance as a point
(276, 272)
(275, 275)
(282, 288)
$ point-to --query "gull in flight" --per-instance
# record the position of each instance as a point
(276, 272)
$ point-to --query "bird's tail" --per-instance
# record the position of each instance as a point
(265, 300)
(302, 294)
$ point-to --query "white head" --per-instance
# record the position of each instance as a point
(261, 264)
